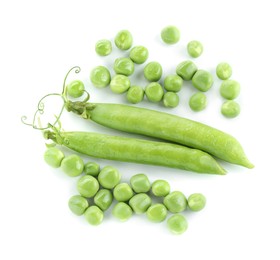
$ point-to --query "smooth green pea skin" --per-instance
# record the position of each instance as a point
(173, 83)
(122, 211)
(153, 71)
(175, 202)
(75, 88)
(195, 49)
(87, 186)
(198, 101)
(100, 77)
(154, 92)
(109, 177)
(140, 183)
(140, 203)
(230, 109)
(92, 168)
(78, 204)
(124, 66)
(139, 54)
(94, 215)
(160, 188)
(177, 224)
(223, 71)
(135, 94)
(123, 192)
(170, 34)
(53, 157)
(72, 165)
(202, 80)
(196, 201)
(120, 84)
(186, 69)
(171, 99)
(123, 40)
(103, 47)
(103, 199)
(157, 213)
(230, 89)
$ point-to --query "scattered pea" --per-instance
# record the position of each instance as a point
(120, 84)
(123, 40)
(230, 89)
(195, 48)
(198, 101)
(175, 202)
(173, 83)
(53, 157)
(109, 177)
(223, 71)
(202, 80)
(177, 224)
(140, 203)
(103, 199)
(140, 183)
(75, 88)
(230, 109)
(153, 71)
(196, 201)
(123, 192)
(160, 188)
(122, 211)
(135, 94)
(78, 204)
(94, 215)
(87, 186)
(72, 165)
(139, 54)
(171, 99)
(103, 47)
(157, 213)
(92, 168)
(170, 34)
(100, 77)
(154, 92)
(186, 70)
(124, 66)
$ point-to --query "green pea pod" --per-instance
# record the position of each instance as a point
(164, 126)
(137, 151)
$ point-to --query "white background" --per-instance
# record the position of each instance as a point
(41, 40)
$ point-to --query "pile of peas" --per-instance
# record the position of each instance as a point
(98, 188)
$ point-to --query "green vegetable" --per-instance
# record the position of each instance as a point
(160, 188)
(170, 99)
(120, 84)
(76, 88)
(94, 215)
(175, 202)
(230, 109)
(170, 34)
(123, 40)
(153, 71)
(186, 70)
(135, 94)
(154, 92)
(100, 77)
(157, 213)
(198, 101)
(196, 201)
(122, 211)
(139, 54)
(72, 165)
(223, 70)
(87, 186)
(124, 66)
(123, 192)
(92, 168)
(78, 204)
(173, 83)
(140, 183)
(194, 48)
(177, 224)
(103, 47)
(140, 203)
(202, 80)
(230, 89)
(108, 177)
(103, 199)
(53, 157)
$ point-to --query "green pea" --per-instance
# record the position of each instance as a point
(78, 204)
(103, 47)
(202, 80)
(173, 83)
(53, 157)
(153, 71)
(94, 215)
(223, 70)
(103, 199)
(157, 213)
(194, 48)
(186, 70)
(87, 186)
(196, 201)
(230, 109)
(160, 188)
(100, 77)
(140, 203)
(122, 211)
(92, 168)
(198, 101)
(175, 202)
(124, 66)
(109, 177)
(123, 40)
(135, 94)
(120, 84)
(123, 192)
(230, 89)
(140, 183)
(75, 88)
(139, 54)
(154, 92)
(170, 34)
(171, 99)
(177, 224)
(72, 165)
